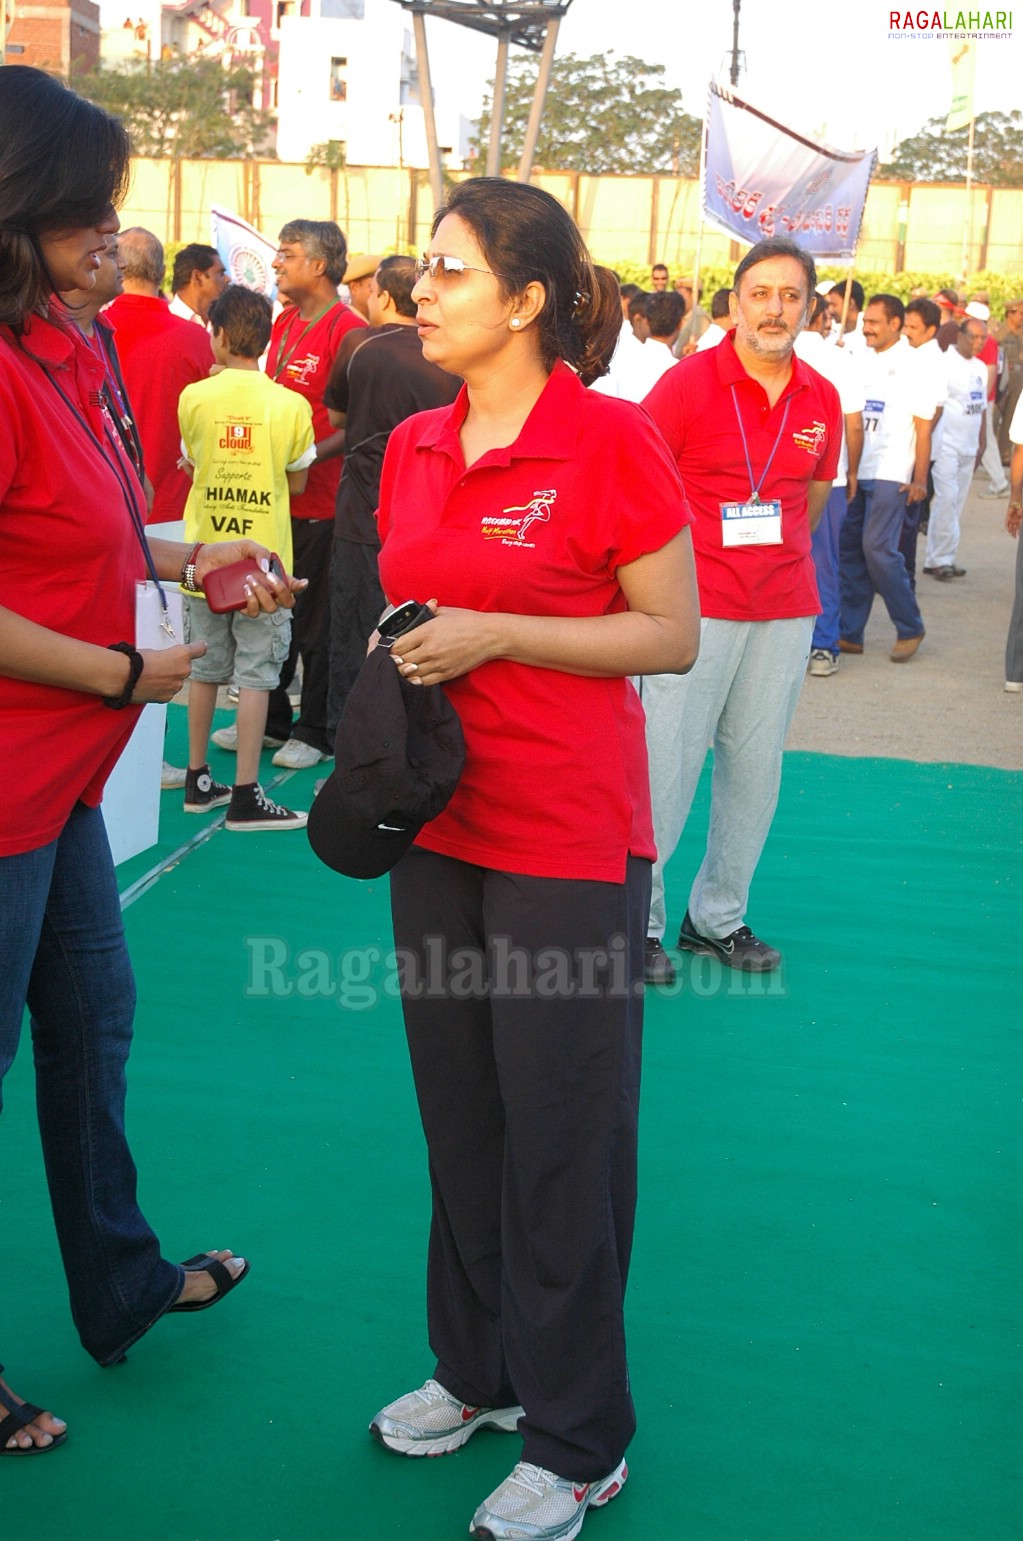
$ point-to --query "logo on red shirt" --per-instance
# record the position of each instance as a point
(512, 525)
(300, 371)
(811, 439)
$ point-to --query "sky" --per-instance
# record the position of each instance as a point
(839, 78)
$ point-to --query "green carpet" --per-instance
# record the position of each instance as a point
(825, 1298)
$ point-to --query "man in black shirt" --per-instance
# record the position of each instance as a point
(379, 378)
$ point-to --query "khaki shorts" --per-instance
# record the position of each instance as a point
(248, 651)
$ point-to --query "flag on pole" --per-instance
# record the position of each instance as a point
(762, 179)
(964, 68)
(247, 255)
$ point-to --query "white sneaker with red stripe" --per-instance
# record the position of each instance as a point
(431, 1421)
(535, 1505)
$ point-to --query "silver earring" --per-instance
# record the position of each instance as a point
(515, 321)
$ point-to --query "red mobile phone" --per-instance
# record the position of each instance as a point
(224, 587)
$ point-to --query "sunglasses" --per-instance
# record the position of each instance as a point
(447, 267)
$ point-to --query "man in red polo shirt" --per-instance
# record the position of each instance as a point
(160, 354)
(309, 265)
(756, 434)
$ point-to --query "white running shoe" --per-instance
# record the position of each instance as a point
(535, 1504)
(227, 738)
(172, 777)
(298, 756)
(823, 663)
(431, 1421)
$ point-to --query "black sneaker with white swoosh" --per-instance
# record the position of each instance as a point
(740, 949)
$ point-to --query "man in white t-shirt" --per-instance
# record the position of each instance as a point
(836, 366)
(920, 329)
(720, 322)
(199, 278)
(899, 404)
(960, 441)
(850, 339)
(628, 377)
(665, 313)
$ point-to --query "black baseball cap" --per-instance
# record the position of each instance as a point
(397, 758)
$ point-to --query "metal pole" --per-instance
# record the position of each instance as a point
(699, 233)
(497, 109)
(539, 97)
(734, 72)
(968, 216)
(430, 122)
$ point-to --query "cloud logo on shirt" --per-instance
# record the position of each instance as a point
(512, 525)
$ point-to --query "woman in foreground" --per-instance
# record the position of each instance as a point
(548, 523)
(72, 686)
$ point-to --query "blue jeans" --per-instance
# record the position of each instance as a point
(870, 562)
(62, 951)
(824, 549)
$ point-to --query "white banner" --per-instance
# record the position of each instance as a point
(762, 180)
(247, 255)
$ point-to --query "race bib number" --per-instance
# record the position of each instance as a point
(873, 412)
(751, 524)
(975, 405)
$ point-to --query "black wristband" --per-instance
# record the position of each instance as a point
(136, 663)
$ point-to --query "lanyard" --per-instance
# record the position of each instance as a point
(281, 364)
(755, 489)
(116, 403)
(124, 482)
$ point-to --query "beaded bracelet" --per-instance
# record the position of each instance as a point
(188, 568)
(136, 663)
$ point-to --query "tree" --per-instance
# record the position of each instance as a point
(602, 114)
(935, 155)
(191, 108)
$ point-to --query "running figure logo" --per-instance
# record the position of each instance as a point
(512, 530)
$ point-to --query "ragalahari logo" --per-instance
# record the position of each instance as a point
(985, 24)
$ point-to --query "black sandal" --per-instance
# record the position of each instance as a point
(18, 1415)
(221, 1275)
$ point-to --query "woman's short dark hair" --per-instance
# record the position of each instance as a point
(244, 316)
(64, 164)
(527, 237)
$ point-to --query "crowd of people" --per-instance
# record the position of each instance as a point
(635, 526)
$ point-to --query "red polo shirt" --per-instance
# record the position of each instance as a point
(70, 561)
(555, 781)
(300, 357)
(160, 354)
(693, 406)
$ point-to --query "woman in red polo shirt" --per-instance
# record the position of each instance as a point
(548, 524)
(71, 517)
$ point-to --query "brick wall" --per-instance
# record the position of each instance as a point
(64, 38)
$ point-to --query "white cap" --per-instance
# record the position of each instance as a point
(977, 312)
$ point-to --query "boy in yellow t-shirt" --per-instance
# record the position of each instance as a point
(247, 444)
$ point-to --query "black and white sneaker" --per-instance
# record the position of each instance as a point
(251, 809)
(203, 793)
(740, 949)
